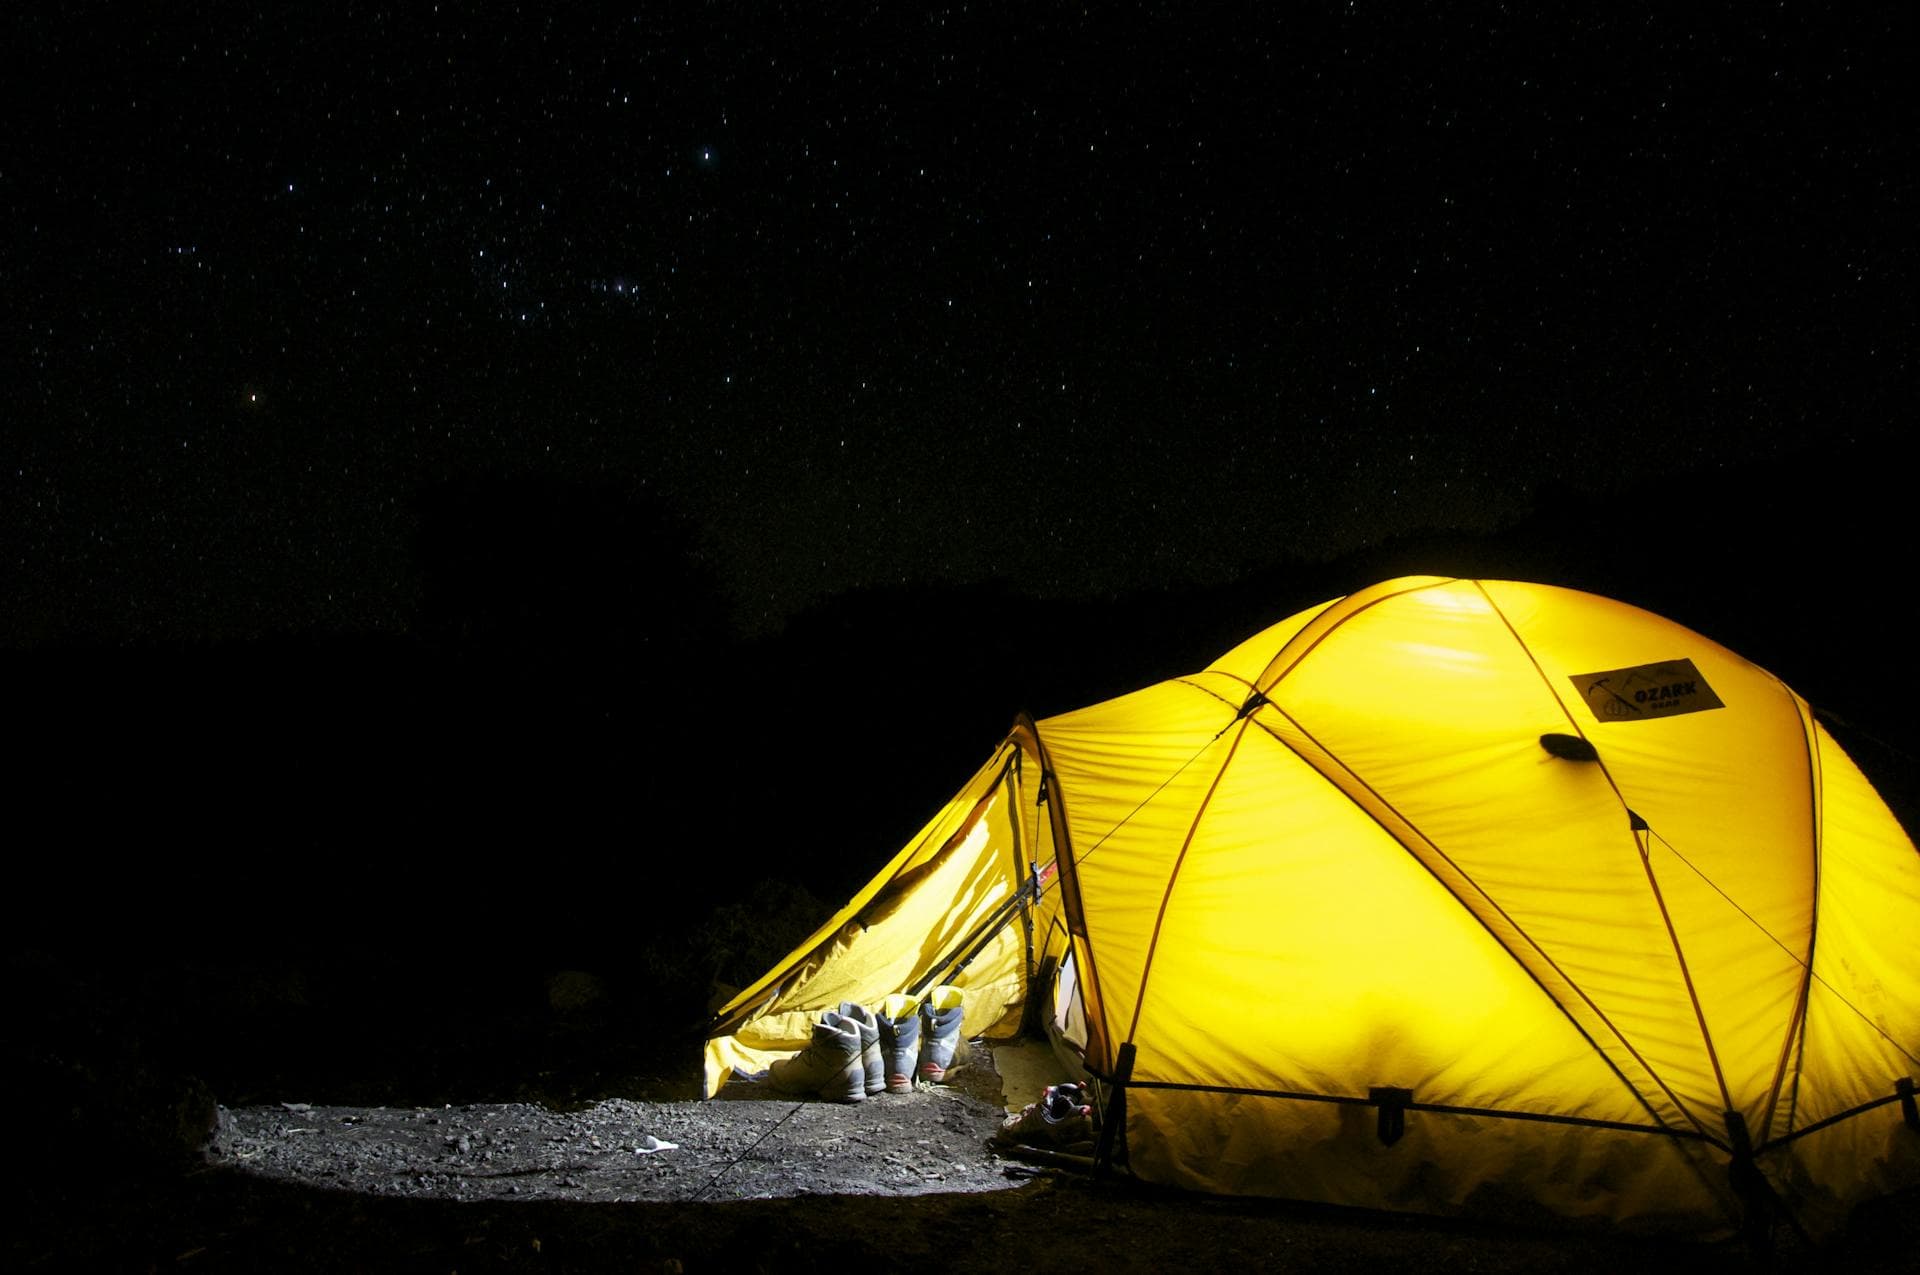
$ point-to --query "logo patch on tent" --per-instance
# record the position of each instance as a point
(1645, 691)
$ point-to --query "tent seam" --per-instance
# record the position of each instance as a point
(1686, 971)
(1173, 879)
(1265, 687)
(1646, 863)
(1127, 818)
(1796, 1043)
(1630, 1087)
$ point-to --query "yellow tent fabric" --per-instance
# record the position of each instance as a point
(1450, 895)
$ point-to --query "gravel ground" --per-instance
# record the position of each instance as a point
(750, 1182)
(755, 1145)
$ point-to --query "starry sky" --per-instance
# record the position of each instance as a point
(1082, 303)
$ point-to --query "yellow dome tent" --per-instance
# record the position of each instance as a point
(1460, 896)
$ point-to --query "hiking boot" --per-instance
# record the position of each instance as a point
(829, 1067)
(862, 1017)
(1061, 1121)
(899, 1041)
(940, 1034)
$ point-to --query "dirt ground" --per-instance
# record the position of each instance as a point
(752, 1181)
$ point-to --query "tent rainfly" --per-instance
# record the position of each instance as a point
(1455, 896)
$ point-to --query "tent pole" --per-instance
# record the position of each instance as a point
(1113, 1116)
(972, 945)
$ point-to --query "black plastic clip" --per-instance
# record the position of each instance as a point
(1569, 748)
(1908, 1111)
(1255, 702)
(1393, 1104)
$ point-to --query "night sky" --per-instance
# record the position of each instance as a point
(487, 491)
(846, 296)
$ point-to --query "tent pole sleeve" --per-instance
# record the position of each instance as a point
(1099, 1051)
(1023, 871)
